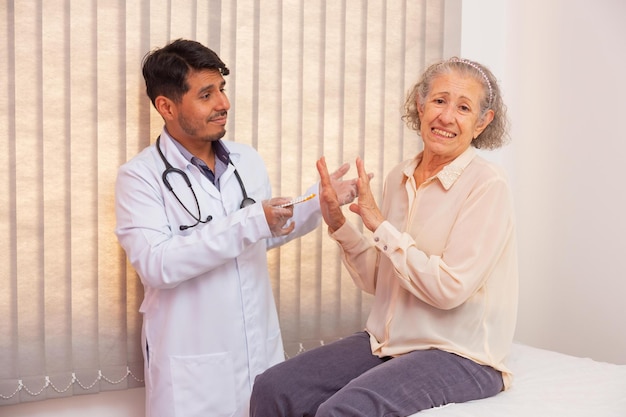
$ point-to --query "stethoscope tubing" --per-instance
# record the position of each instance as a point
(169, 169)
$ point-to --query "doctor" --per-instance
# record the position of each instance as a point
(195, 216)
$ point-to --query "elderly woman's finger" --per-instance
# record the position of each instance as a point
(323, 171)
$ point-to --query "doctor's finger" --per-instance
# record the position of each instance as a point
(340, 172)
(281, 230)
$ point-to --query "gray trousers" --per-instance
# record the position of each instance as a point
(344, 379)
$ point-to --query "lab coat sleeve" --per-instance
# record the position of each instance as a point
(162, 255)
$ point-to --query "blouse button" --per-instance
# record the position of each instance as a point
(376, 239)
(385, 247)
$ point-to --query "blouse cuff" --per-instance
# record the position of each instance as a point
(386, 237)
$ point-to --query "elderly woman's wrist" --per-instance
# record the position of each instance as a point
(336, 225)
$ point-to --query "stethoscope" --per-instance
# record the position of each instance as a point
(169, 169)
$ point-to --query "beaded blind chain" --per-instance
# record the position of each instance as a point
(480, 70)
(47, 383)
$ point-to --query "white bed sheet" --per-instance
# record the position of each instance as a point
(549, 384)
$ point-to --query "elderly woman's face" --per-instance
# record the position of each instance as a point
(450, 115)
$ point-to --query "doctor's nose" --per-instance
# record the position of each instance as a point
(223, 102)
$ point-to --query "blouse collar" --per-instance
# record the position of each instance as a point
(450, 173)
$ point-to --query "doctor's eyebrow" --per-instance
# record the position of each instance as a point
(211, 87)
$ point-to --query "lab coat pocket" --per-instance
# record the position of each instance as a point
(203, 385)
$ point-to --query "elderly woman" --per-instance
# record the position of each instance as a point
(440, 261)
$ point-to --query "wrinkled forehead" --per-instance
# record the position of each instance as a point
(457, 84)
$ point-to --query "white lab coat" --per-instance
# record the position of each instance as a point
(209, 319)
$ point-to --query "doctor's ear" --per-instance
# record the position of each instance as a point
(165, 107)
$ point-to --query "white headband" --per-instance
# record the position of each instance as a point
(479, 69)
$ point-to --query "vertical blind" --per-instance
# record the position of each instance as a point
(308, 78)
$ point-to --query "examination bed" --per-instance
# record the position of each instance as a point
(550, 384)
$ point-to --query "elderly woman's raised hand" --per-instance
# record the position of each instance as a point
(329, 201)
(366, 206)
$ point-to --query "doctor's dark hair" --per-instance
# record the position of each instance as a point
(165, 69)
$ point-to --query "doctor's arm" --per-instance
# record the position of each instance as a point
(162, 255)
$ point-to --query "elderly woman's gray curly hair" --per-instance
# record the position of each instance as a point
(495, 134)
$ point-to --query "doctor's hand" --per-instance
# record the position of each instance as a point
(346, 190)
(278, 217)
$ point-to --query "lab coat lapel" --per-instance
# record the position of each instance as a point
(177, 160)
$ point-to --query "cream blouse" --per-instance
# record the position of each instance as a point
(443, 266)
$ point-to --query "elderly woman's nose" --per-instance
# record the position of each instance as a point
(447, 113)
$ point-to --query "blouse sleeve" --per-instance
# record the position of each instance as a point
(478, 233)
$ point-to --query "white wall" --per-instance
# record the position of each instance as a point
(563, 68)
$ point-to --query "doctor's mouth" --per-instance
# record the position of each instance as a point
(219, 118)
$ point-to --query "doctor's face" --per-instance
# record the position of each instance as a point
(202, 113)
